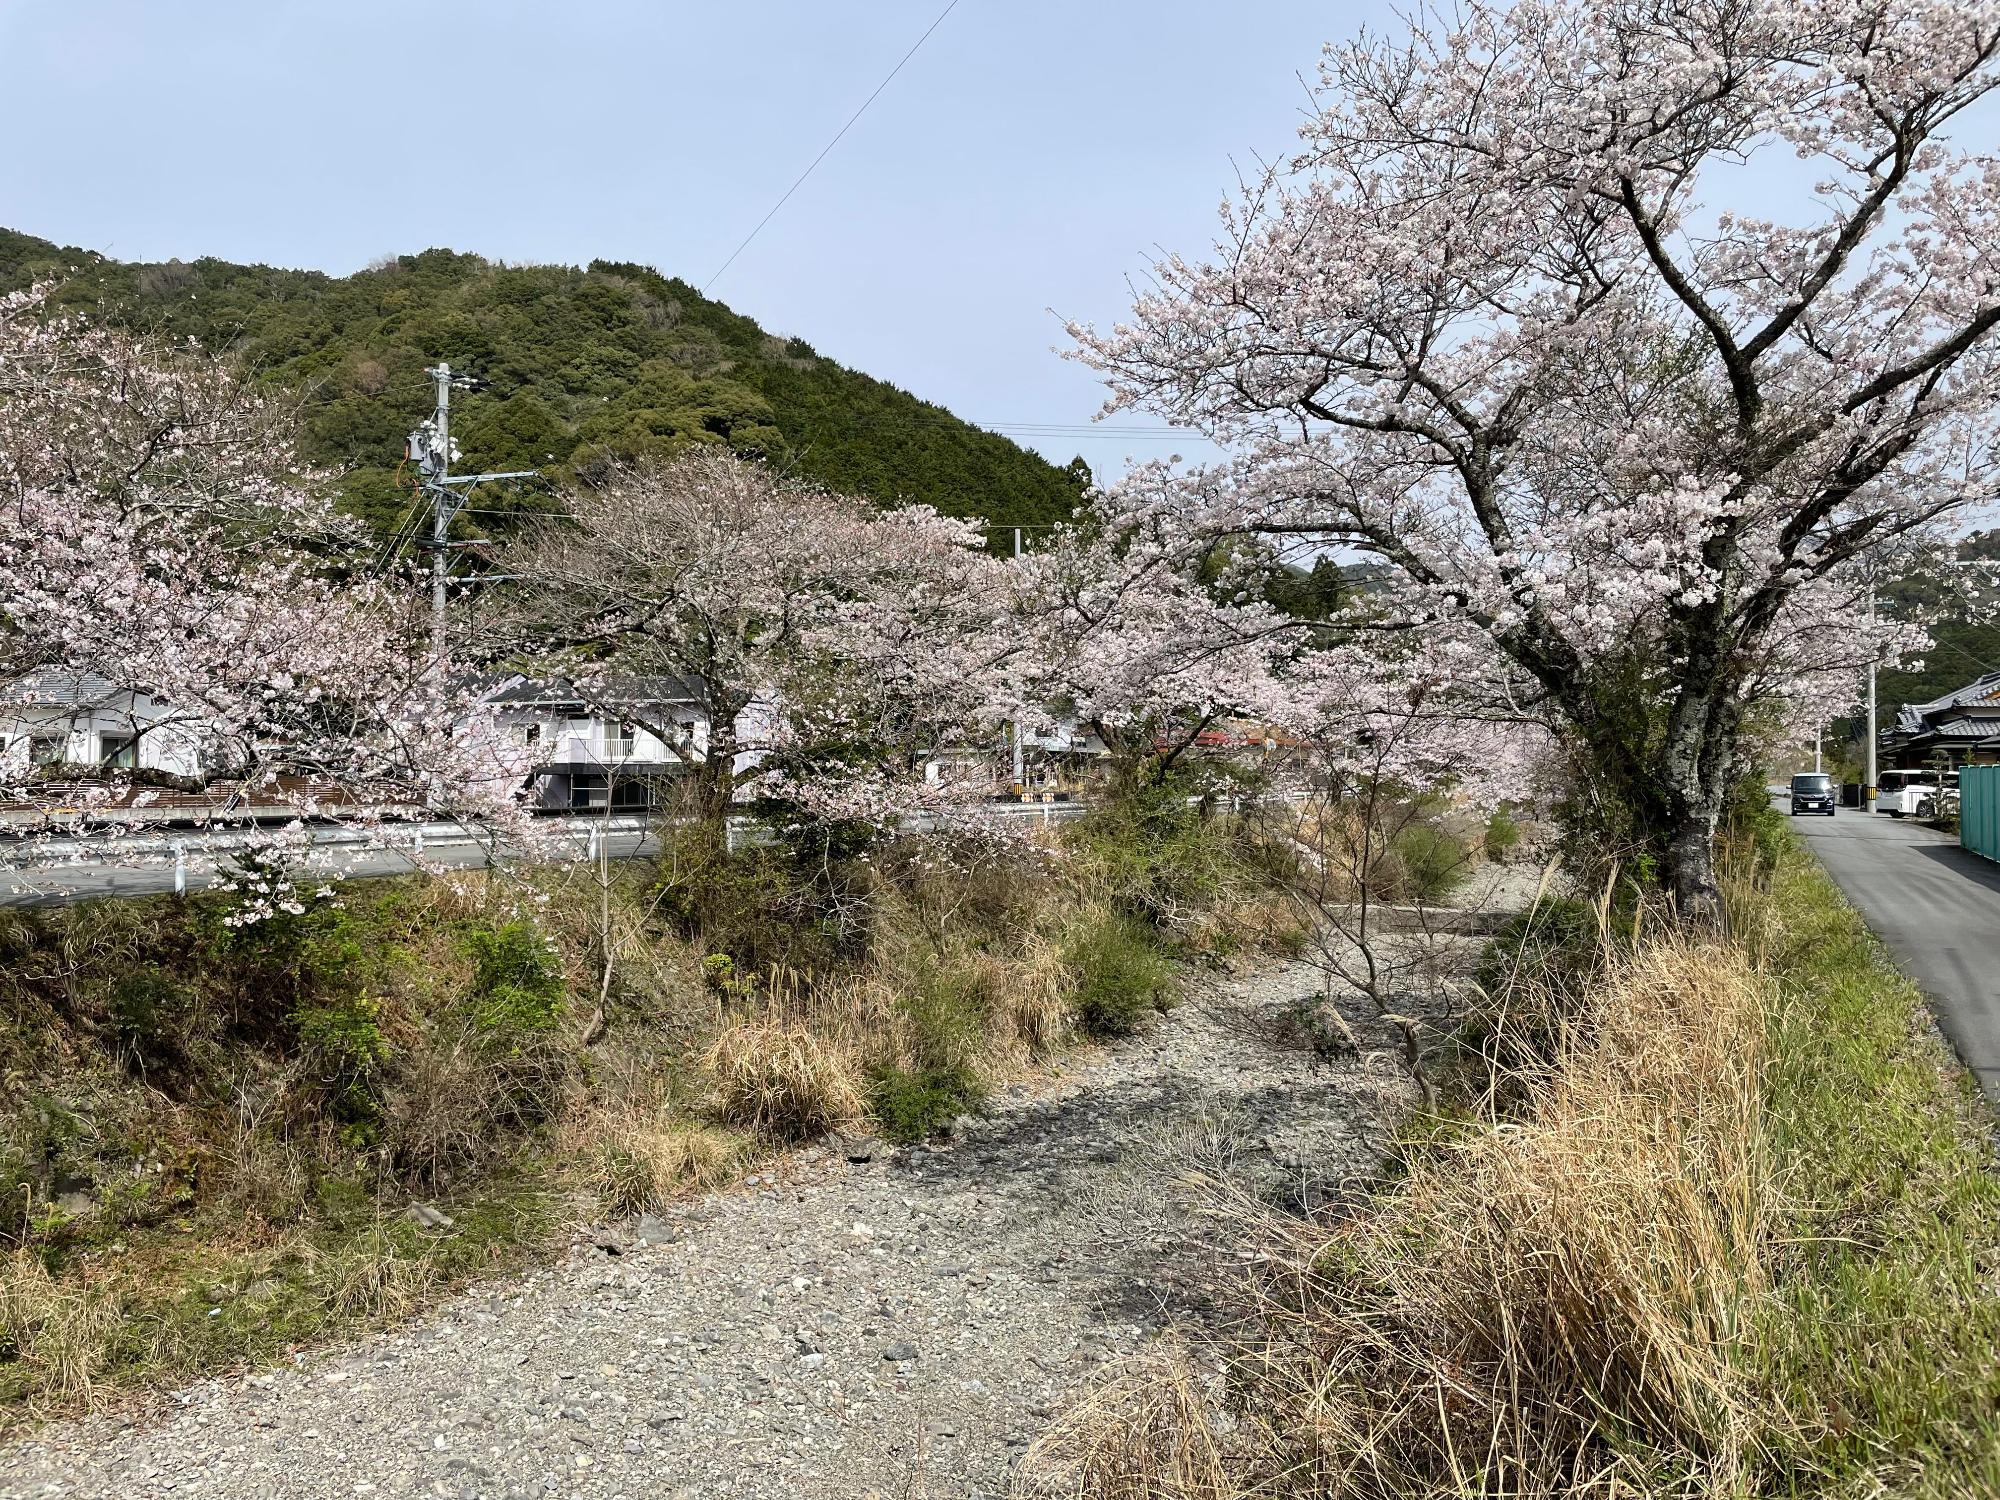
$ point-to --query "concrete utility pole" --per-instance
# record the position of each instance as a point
(1868, 785)
(430, 449)
(442, 503)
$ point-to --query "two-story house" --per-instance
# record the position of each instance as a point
(589, 757)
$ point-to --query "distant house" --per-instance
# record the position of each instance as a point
(61, 718)
(1960, 728)
(587, 757)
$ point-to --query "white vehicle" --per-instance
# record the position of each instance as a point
(1902, 793)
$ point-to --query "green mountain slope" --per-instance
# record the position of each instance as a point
(579, 366)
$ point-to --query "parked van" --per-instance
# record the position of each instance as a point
(1812, 792)
(1901, 793)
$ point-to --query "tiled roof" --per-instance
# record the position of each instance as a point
(56, 687)
(559, 692)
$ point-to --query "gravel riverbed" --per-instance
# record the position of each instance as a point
(854, 1321)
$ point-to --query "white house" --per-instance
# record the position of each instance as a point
(73, 718)
(588, 758)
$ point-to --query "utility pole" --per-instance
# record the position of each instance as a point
(1868, 785)
(443, 503)
(430, 448)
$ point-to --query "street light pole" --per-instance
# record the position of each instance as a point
(1868, 786)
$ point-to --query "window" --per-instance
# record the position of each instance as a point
(118, 752)
(46, 749)
(531, 734)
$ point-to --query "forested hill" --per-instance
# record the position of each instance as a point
(579, 366)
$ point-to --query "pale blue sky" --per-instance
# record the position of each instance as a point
(1030, 157)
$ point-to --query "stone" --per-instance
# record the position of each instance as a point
(426, 1216)
(900, 1353)
(654, 1230)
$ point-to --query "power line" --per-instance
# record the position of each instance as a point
(828, 147)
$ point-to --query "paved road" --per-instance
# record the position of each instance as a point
(1937, 907)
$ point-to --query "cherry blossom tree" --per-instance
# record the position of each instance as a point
(825, 641)
(158, 531)
(1128, 636)
(1497, 327)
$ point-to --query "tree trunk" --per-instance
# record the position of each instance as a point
(1696, 761)
(1689, 849)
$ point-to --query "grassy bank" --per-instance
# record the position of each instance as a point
(1728, 1225)
(219, 1142)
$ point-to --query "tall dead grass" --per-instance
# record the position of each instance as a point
(782, 1080)
(58, 1333)
(1148, 1431)
(1541, 1297)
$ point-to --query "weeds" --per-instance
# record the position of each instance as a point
(213, 1129)
(1119, 974)
(781, 1081)
(1733, 1232)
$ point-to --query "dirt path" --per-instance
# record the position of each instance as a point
(898, 1326)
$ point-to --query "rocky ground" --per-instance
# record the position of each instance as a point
(858, 1322)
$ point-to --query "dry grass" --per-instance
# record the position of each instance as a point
(782, 1080)
(1147, 1431)
(58, 1334)
(642, 1163)
(1540, 1288)
(1534, 1298)
(1031, 996)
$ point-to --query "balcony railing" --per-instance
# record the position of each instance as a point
(607, 750)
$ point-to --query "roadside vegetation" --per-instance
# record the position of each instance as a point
(1704, 1215)
(223, 1141)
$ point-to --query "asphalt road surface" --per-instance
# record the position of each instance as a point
(1937, 907)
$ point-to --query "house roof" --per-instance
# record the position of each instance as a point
(1970, 714)
(62, 687)
(1981, 693)
(561, 692)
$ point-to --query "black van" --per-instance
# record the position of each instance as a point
(1813, 792)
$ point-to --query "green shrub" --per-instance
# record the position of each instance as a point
(1157, 857)
(1502, 836)
(947, 1005)
(1756, 831)
(517, 980)
(342, 1039)
(1431, 862)
(1119, 974)
(913, 1105)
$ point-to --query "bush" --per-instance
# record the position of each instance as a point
(1557, 944)
(1431, 864)
(912, 1105)
(945, 1002)
(1119, 974)
(517, 984)
(1156, 857)
(1502, 836)
(341, 1038)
